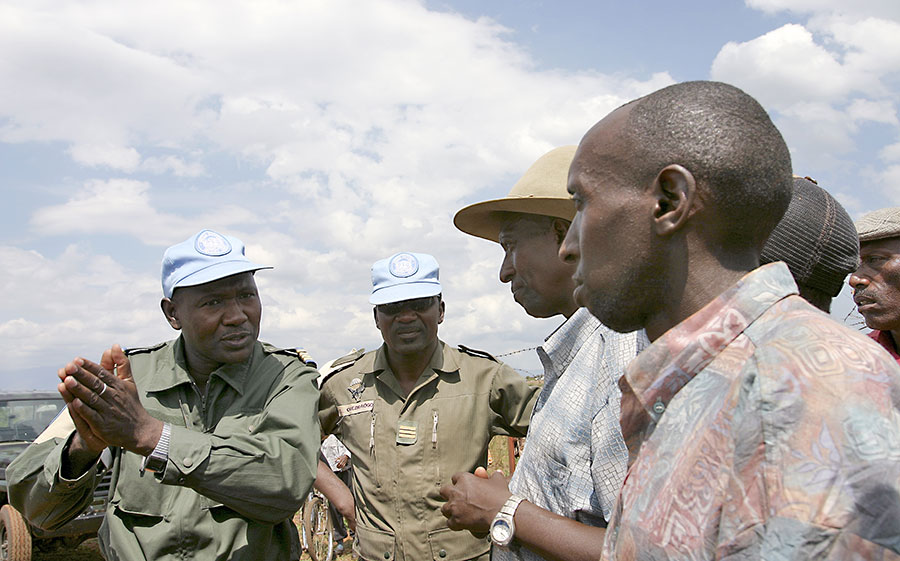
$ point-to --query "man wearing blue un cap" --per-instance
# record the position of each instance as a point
(413, 413)
(213, 434)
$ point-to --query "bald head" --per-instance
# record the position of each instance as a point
(728, 143)
(675, 194)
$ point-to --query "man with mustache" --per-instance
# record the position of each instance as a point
(566, 483)
(213, 434)
(876, 283)
(413, 413)
(757, 427)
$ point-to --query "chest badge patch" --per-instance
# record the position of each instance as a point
(355, 388)
(407, 432)
(355, 408)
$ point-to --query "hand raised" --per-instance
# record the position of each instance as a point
(109, 404)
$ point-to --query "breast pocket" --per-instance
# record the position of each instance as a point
(141, 495)
(556, 475)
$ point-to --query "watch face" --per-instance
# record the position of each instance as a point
(500, 531)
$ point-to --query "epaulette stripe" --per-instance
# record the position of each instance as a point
(349, 358)
(476, 352)
(339, 364)
(140, 350)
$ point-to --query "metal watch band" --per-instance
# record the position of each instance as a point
(511, 504)
(503, 527)
(157, 460)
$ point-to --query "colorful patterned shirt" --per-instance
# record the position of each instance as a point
(759, 428)
(575, 458)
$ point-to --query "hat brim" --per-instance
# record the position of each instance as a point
(485, 219)
(218, 271)
(408, 291)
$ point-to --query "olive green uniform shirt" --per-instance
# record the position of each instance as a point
(404, 448)
(242, 458)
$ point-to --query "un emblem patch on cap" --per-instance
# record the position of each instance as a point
(212, 243)
(404, 265)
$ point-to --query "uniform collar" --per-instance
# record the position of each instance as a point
(443, 361)
(673, 360)
(172, 369)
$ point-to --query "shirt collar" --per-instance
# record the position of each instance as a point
(885, 339)
(673, 360)
(172, 369)
(561, 346)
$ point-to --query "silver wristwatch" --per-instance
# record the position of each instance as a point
(156, 462)
(503, 528)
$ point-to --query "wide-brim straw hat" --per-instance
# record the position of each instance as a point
(542, 191)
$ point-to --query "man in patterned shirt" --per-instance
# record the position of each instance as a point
(757, 427)
(573, 465)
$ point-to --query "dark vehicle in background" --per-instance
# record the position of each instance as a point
(23, 416)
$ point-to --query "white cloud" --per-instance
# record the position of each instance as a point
(829, 82)
(122, 158)
(784, 67)
(173, 164)
(890, 182)
(890, 153)
(326, 135)
(357, 130)
(76, 303)
(875, 111)
(123, 206)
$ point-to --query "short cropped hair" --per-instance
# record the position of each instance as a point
(729, 144)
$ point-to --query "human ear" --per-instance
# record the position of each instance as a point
(560, 229)
(441, 317)
(675, 190)
(168, 309)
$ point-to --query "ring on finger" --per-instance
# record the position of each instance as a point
(100, 393)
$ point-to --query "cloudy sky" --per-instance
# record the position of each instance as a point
(328, 134)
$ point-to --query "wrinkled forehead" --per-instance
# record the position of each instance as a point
(886, 245)
(522, 225)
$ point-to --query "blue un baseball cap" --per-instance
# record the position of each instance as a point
(404, 276)
(205, 257)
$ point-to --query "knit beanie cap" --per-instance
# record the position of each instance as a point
(816, 238)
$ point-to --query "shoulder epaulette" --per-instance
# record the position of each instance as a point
(302, 354)
(476, 352)
(140, 350)
(341, 363)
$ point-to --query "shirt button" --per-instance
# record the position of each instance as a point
(188, 462)
(659, 407)
(442, 553)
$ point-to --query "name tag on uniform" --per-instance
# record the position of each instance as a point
(407, 432)
(354, 408)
